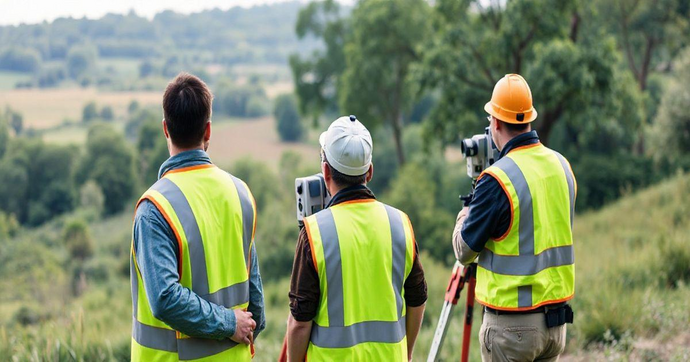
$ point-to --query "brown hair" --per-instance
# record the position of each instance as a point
(187, 109)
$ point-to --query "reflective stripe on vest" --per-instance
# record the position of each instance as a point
(527, 263)
(231, 296)
(337, 334)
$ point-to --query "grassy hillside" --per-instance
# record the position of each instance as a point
(632, 261)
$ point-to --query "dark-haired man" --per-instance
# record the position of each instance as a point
(196, 288)
(519, 224)
(357, 291)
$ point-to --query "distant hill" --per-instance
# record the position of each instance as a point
(260, 34)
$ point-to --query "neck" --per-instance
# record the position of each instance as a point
(174, 150)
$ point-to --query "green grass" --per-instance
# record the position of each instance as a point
(632, 282)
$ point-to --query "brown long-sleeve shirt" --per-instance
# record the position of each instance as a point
(305, 291)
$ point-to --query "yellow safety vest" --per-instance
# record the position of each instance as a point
(363, 252)
(532, 264)
(212, 215)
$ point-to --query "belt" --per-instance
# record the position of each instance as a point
(556, 314)
(541, 309)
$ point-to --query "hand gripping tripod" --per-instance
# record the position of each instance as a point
(460, 276)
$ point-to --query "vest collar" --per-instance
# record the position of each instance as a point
(184, 159)
(524, 139)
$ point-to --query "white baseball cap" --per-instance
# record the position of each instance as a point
(348, 146)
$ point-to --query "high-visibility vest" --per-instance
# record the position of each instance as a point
(363, 252)
(532, 264)
(212, 215)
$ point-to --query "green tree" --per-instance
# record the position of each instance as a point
(317, 77)
(287, 118)
(649, 33)
(431, 223)
(152, 150)
(571, 65)
(91, 198)
(4, 136)
(109, 161)
(77, 239)
(80, 60)
(20, 59)
(670, 133)
(107, 113)
(16, 121)
(133, 107)
(90, 112)
(384, 43)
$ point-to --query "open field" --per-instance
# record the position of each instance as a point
(45, 108)
(255, 139)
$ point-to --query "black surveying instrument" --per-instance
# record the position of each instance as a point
(479, 152)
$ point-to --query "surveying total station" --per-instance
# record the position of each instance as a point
(480, 153)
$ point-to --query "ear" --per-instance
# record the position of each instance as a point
(165, 129)
(326, 171)
(370, 173)
(207, 132)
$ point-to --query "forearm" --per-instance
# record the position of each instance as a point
(256, 295)
(298, 339)
(184, 311)
(413, 323)
(463, 252)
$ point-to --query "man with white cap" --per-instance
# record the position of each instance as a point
(357, 290)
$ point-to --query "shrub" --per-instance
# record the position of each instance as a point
(287, 118)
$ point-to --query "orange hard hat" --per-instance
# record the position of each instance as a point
(511, 101)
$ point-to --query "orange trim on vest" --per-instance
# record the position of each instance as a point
(520, 309)
(361, 201)
(172, 226)
(311, 246)
(414, 239)
(510, 199)
(190, 168)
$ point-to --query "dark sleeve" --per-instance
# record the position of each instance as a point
(489, 214)
(256, 294)
(415, 284)
(305, 292)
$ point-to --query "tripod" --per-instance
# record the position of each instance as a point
(458, 278)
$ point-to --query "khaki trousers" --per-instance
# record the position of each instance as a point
(520, 337)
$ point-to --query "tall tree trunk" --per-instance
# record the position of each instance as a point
(548, 120)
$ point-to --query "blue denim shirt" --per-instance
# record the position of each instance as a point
(156, 250)
(489, 216)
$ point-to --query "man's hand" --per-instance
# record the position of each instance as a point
(244, 327)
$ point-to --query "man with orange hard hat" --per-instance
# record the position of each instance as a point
(518, 227)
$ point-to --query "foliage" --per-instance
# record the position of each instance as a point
(152, 150)
(649, 33)
(9, 226)
(15, 120)
(20, 59)
(91, 198)
(670, 133)
(287, 118)
(317, 77)
(37, 180)
(110, 163)
(384, 43)
(107, 113)
(240, 101)
(90, 112)
(80, 60)
(78, 240)
(4, 136)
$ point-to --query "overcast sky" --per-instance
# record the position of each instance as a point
(13, 12)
